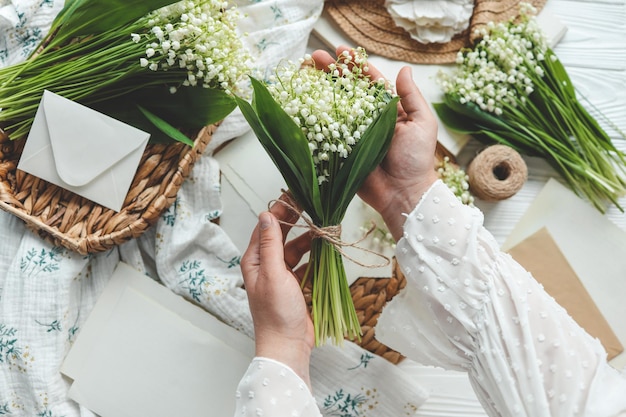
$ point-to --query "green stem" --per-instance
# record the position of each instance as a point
(333, 312)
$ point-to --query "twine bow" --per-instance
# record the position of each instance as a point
(332, 234)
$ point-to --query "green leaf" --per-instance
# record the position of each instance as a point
(482, 119)
(455, 121)
(188, 110)
(287, 137)
(85, 17)
(558, 74)
(165, 127)
(289, 171)
(365, 156)
(190, 107)
(281, 127)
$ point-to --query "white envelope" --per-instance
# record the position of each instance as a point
(82, 150)
(146, 351)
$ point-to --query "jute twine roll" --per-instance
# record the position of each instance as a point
(497, 173)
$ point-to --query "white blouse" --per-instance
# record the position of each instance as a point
(468, 306)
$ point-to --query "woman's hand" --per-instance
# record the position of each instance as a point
(282, 323)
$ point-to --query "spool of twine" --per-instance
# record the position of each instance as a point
(497, 173)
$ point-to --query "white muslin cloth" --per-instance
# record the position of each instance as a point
(47, 291)
(431, 21)
(22, 25)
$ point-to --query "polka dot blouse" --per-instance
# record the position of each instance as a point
(468, 306)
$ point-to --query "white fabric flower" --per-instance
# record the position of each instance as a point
(431, 21)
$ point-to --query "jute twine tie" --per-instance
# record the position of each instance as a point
(332, 234)
(497, 173)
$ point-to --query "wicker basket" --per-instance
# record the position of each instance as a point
(370, 296)
(81, 225)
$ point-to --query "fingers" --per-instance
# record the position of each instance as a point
(323, 59)
(287, 213)
(413, 102)
(296, 248)
(269, 236)
(250, 261)
(372, 71)
(271, 255)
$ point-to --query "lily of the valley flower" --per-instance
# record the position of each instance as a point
(199, 37)
(456, 179)
(502, 69)
(333, 108)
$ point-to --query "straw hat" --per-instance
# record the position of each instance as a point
(368, 24)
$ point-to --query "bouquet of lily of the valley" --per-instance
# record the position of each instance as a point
(325, 131)
(512, 89)
(158, 65)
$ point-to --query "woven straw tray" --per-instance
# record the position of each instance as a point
(370, 295)
(68, 220)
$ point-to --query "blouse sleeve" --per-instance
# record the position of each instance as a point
(271, 388)
(469, 306)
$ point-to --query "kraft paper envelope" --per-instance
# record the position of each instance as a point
(592, 244)
(145, 351)
(82, 150)
(541, 256)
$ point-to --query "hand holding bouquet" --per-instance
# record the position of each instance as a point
(325, 131)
